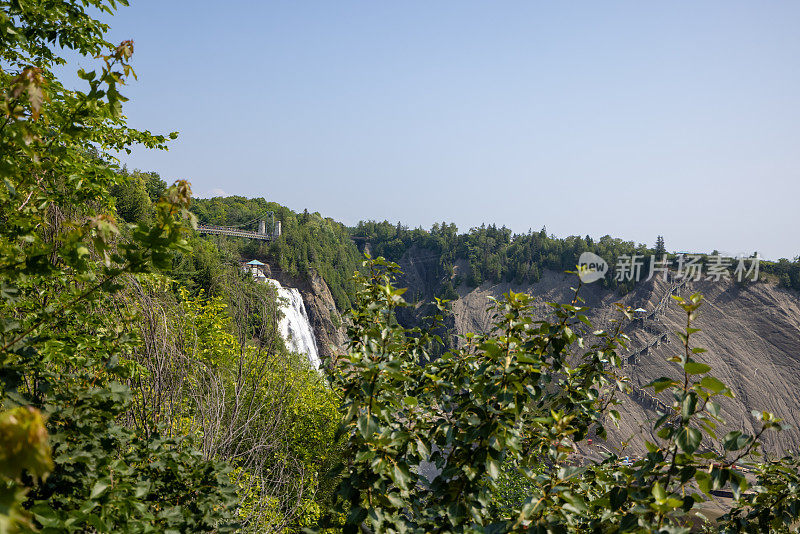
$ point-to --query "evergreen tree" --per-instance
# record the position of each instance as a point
(660, 248)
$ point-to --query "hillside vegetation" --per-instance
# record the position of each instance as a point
(144, 386)
(497, 255)
(308, 241)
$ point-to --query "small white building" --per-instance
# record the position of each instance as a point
(254, 267)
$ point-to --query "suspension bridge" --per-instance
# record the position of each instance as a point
(241, 231)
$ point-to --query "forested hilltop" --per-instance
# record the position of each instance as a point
(308, 241)
(493, 254)
(497, 255)
(312, 241)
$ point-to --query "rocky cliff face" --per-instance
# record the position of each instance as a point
(751, 332)
(323, 315)
(321, 308)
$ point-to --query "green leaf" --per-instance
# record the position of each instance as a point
(735, 440)
(629, 523)
(658, 492)
(11, 190)
(689, 439)
(617, 497)
(660, 384)
(46, 516)
(696, 368)
(719, 477)
(493, 468)
(401, 475)
(99, 487)
(703, 481)
(367, 425)
(689, 405)
(712, 384)
(410, 401)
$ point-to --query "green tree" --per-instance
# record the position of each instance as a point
(132, 199)
(155, 186)
(660, 249)
(62, 259)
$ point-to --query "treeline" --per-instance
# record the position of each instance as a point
(787, 272)
(206, 266)
(308, 241)
(496, 254)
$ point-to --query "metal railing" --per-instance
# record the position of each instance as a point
(235, 232)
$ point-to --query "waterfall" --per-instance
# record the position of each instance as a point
(294, 325)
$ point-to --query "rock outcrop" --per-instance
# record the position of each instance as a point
(751, 332)
(321, 309)
(323, 315)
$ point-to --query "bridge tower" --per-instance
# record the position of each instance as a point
(262, 227)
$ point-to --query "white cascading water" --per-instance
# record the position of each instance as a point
(294, 325)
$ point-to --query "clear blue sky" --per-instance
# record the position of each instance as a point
(626, 118)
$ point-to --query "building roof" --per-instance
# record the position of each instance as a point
(640, 310)
(254, 262)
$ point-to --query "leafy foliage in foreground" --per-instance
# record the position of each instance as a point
(110, 478)
(430, 444)
(211, 364)
(67, 464)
